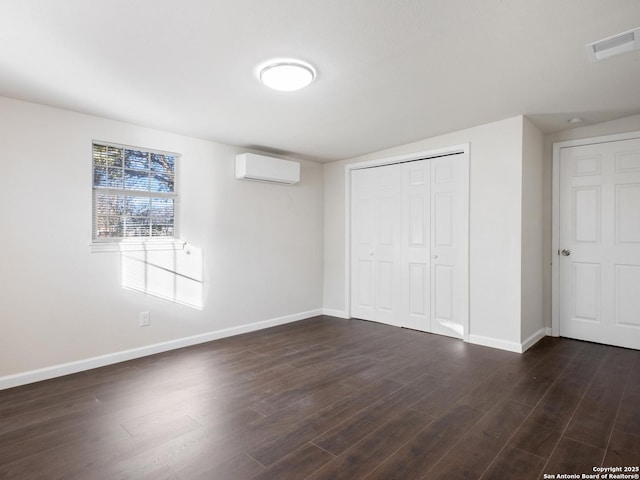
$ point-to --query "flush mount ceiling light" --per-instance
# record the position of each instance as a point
(286, 75)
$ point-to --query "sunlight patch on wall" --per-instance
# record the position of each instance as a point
(174, 275)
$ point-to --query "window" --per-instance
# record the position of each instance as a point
(134, 194)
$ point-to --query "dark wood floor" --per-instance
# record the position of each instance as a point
(332, 399)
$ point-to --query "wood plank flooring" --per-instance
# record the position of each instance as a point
(327, 398)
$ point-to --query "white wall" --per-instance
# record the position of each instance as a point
(623, 125)
(262, 243)
(495, 227)
(532, 233)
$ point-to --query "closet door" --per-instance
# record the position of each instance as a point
(408, 244)
(448, 244)
(375, 244)
(416, 245)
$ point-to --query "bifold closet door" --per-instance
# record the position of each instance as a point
(433, 245)
(407, 244)
(375, 244)
(416, 245)
(448, 244)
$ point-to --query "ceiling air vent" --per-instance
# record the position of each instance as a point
(615, 45)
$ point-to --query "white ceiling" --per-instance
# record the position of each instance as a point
(389, 71)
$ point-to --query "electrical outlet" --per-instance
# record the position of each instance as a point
(145, 319)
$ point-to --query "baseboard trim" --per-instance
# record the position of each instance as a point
(54, 371)
(533, 339)
(495, 343)
(509, 346)
(335, 313)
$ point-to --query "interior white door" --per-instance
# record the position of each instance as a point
(416, 245)
(599, 257)
(448, 207)
(375, 244)
(408, 244)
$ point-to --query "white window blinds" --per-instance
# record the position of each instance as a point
(134, 193)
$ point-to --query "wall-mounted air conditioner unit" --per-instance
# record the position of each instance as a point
(250, 166)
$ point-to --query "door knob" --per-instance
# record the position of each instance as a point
(566, 252)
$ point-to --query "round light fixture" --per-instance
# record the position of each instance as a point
(287, 75)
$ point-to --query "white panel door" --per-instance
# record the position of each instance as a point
(375, 244)
(599, 258)
(416, 245)
(448, 214)
(408, 244)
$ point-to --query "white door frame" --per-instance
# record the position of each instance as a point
(462, 149)
(555, 216)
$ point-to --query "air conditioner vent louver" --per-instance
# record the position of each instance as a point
(618, 44)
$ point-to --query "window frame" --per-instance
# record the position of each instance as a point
(106, 244)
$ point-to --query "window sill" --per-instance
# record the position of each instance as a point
(137, 245)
